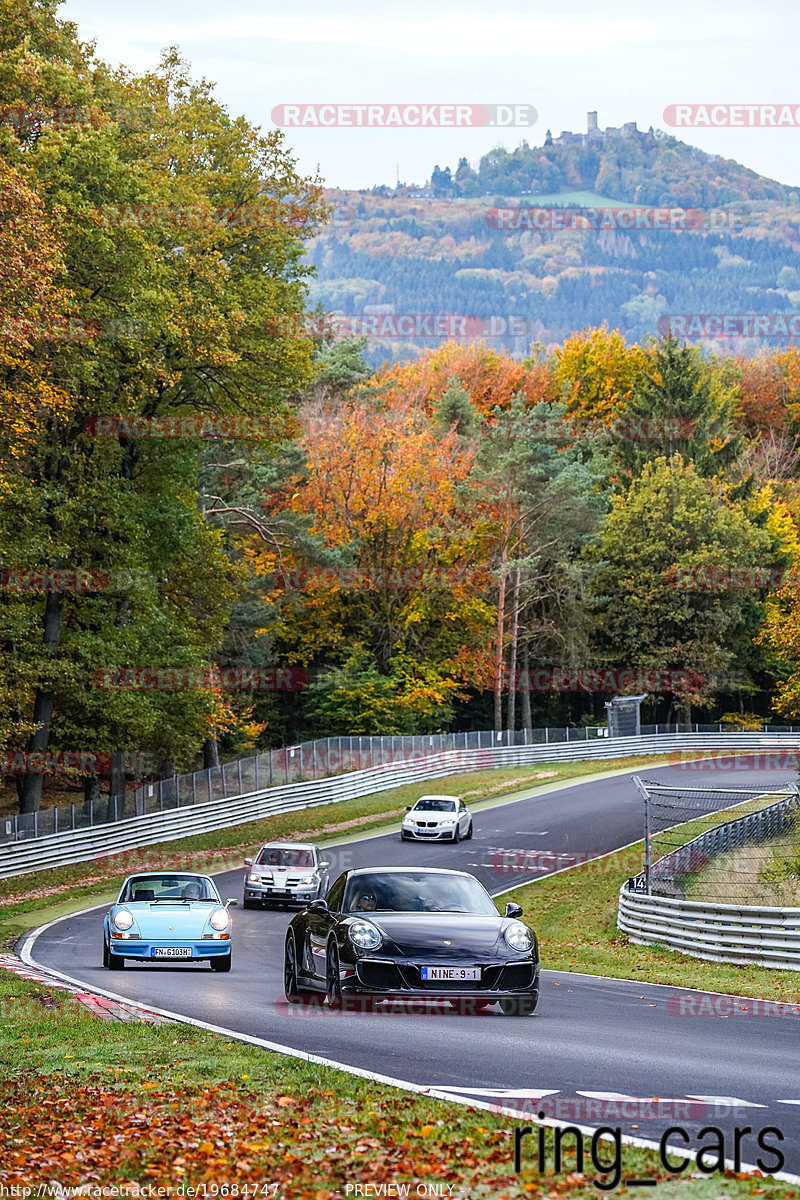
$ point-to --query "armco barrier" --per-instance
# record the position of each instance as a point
(766, 937)
(21, 858)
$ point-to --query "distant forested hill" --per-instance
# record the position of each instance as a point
(640, 168)
(436, 249)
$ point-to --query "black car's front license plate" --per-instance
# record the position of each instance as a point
(171, 952)
(450, 974)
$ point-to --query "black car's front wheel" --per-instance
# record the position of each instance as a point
(333, 983)
(292, 990)
(519, 1006)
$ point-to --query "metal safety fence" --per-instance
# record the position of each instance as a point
(202, 816)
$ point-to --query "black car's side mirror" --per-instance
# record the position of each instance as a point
(513, 910)
(320, 906)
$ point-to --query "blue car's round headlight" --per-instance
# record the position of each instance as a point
(518, 936)
(219, 919)
(364, 935)
(123, 919)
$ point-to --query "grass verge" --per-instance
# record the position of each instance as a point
(86, 1102)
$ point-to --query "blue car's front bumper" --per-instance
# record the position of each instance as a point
(139, 948)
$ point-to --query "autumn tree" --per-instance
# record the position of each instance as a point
(664, 541)
(182, 239)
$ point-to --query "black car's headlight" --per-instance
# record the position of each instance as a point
(518, 936)
(364, 935)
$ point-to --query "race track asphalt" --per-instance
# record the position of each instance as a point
(593, 1045)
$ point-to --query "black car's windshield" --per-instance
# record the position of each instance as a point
(284, 856)
(168, 887)
(416, 891)
(435, 804)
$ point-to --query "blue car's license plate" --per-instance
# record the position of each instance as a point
(171, 952)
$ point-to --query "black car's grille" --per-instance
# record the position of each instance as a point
(379, 974)
(516, 977)
(487, 982)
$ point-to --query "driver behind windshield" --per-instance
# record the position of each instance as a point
(368, 902)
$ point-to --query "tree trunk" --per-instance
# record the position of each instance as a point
(29, 787)
(498, 651)
(116, 785)
(527, 720)
(91, 793)
(210, 752)
(512, 666)
(687, 713)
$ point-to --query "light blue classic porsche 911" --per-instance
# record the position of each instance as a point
(168, 915)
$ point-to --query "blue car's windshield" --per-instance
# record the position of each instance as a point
(165, 886)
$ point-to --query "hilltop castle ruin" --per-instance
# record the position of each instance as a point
(593, 133)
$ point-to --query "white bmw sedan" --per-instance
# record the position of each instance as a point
(437, 818)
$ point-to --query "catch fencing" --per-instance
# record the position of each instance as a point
(681, 898)
(80, 845)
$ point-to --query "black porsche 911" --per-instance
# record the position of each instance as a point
(412, 933)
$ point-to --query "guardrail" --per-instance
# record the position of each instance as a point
(83, 844)
(765, 937)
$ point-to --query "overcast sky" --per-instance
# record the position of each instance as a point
(627, 60)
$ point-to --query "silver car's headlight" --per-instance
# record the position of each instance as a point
(123, 919)
(364, 935)
(518, 936)
(219, 919)
(306, 880)
(253, 878)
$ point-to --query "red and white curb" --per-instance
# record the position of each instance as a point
(98, 1006)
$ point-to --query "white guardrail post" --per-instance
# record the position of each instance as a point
(100, 841)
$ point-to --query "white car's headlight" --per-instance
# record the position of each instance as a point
(306, 880)
(123, 919)
(364, 935)
(253, 878)
(219, 919)
(518, 936)
(447, 822)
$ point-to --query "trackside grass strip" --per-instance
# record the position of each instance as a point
(88, 1102)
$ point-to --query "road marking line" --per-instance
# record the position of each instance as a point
(731, 1100)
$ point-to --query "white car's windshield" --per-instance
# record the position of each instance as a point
(435, 804)
(150, 888)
